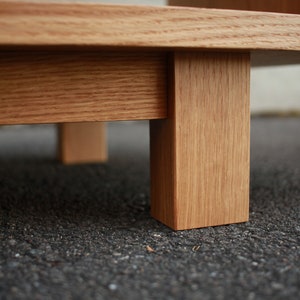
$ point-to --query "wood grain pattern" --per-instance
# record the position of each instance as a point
(200, 154)
(82, 142)
(75, 87)
(95, 25)
(281, 6)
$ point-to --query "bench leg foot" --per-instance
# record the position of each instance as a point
(82, 142)
(200, 154)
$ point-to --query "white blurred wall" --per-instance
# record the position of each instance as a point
(140, 2)
(275, 89)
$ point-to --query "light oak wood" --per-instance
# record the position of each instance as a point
(95, 25)
(103, 63)
(282, 6)
(75, 87)
(200, 154)
(82, 142)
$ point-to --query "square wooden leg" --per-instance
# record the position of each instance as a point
(200, 153)
(82, 142)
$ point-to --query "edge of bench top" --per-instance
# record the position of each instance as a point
(101, 25)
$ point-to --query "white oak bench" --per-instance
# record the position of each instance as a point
(185, 69)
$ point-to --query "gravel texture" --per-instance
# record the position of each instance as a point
(85, 232)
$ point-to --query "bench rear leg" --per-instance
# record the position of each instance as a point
(82, 142)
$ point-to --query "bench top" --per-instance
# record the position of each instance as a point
(118, 26)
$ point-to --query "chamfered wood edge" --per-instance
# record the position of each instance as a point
(99, 25)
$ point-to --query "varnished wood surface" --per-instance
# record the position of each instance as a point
(200, 154)
(74, 87)
(96, 25)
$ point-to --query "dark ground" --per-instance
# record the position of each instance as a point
(81, 232)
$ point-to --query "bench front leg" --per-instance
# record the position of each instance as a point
(200, 154)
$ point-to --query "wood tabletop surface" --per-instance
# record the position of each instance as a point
(100, 25)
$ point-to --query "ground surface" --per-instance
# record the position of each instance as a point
(84, 232)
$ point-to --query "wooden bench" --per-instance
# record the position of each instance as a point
(185, 69)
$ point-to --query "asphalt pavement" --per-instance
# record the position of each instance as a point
(85, 231)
